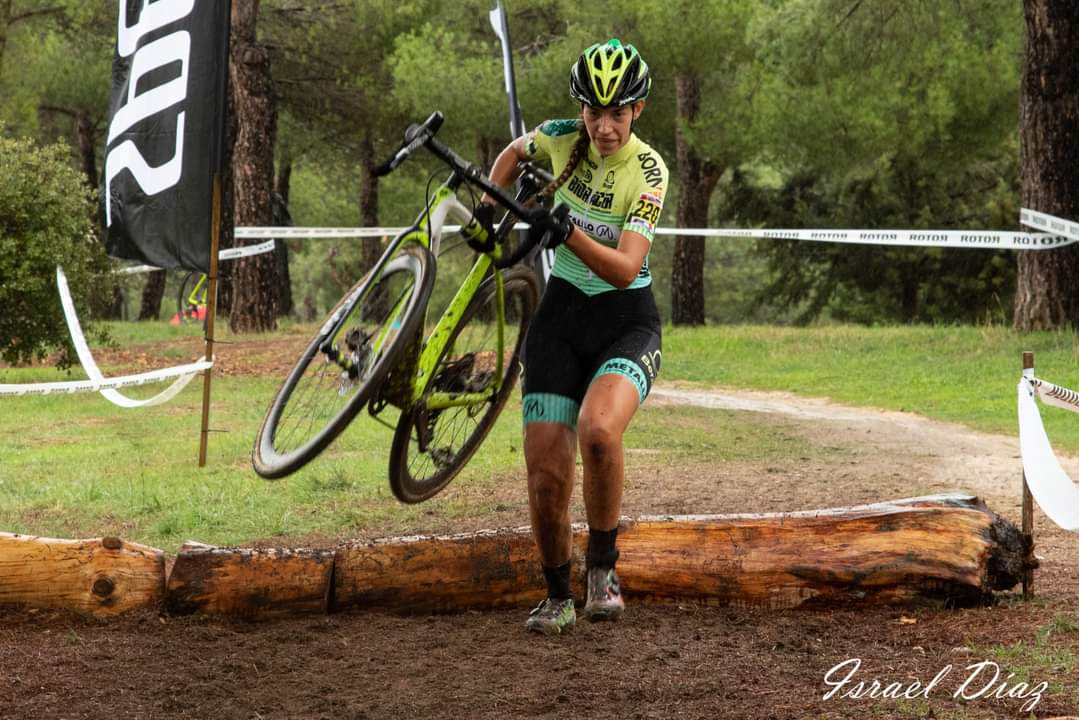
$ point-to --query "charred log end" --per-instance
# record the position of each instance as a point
(1011, 556)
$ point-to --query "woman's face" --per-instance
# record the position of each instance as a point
(609, 128)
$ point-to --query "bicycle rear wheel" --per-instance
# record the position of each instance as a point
(344, 364)
(187, 285)
(431, 446)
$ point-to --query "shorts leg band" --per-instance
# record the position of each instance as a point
(548, 407)
(628, 369)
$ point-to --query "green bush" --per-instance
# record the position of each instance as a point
(46, 219)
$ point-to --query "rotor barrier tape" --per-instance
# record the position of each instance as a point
(1056, 494)
(73, 386)
(1055, 395)
(1049, 223)
(97, 382)
(984, 239)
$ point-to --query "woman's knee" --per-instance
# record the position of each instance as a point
(599, 439)
(549, 455)
(548, 489)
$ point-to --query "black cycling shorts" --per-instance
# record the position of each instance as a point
(574, 338)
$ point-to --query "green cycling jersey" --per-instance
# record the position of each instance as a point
(605, 196)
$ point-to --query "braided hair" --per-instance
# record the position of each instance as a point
(578, 153)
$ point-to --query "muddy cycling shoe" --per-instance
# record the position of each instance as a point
(552, 617)
(604, 595)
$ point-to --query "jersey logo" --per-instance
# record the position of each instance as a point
(554, 128)
(652, 173)
(651, 363)
(608, 182)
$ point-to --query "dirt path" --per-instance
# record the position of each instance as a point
(660, 662)
(937, 455)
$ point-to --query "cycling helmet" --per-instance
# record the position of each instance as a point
(609, 74)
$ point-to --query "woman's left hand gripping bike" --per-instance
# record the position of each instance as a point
(449, 382)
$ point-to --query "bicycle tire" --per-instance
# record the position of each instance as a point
(318, 399)
(186, 286)
(410, 482)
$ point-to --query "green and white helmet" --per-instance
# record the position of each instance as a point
(609, 74)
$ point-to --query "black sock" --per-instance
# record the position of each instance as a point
(558, 581)
(601, 549)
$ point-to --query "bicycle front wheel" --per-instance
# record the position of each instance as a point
(344, 365)
(430, 446)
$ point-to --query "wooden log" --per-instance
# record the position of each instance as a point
(101, 577)
(249, 583)
(947, 549)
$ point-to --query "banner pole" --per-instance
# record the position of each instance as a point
(1028, 512)
(211, 313)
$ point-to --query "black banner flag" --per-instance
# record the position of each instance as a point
(166, 130)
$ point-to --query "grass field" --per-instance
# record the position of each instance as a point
(76, 466)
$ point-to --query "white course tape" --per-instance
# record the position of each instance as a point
(1057, 495)
(986, 239)
(185, 371)
(1055, 395)
(230, 254)
(97, 382)
(92, 371)
(239, 252)
(1049, 223)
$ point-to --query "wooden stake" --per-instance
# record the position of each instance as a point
(1028, 512)
(211, 312)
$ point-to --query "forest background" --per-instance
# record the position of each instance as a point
(773, 113)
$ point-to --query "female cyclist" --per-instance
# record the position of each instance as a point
(593, 349)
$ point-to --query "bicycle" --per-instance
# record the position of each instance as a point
(191, 298)
(450, 383)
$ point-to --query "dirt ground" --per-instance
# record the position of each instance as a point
(664, 661)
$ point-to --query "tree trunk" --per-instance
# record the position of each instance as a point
(150, 309)
(87, 148)
(948, 549)
(1046, 294)
(282, 218)
(5, 21)
(697, 178)
(254, 292)
(372, 246)
(943, 549)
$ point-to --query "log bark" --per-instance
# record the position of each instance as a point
(102, 577)
(939, 550)
(249, 583)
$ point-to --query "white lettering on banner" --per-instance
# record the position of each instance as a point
(152, 180)
(169, 49)
(138, 106)
(154, 15)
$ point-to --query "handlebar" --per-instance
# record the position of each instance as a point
(423, 135)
